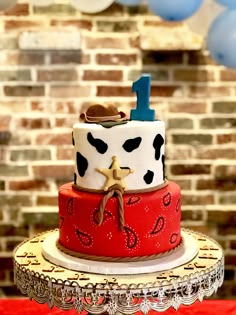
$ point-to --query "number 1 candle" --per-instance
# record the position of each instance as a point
(142, 88)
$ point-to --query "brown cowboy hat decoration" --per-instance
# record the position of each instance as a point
(99, 113)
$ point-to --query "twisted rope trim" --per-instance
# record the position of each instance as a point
(118, 259)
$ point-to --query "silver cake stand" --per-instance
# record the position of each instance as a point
(45, 281)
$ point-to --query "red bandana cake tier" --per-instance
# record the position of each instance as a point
(120, 205)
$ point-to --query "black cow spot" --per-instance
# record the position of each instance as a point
(157, 144)
(132, 144)
(164, 166)
(73, 140)
(82, 164)
(75, 178)
(99, 144)
(148, 177)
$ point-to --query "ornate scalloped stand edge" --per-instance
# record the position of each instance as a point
(67, 289)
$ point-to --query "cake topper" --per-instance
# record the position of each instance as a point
(142, 88)
(99, 114)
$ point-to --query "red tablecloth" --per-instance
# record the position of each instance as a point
(27, 307)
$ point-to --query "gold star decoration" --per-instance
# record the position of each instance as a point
(115, 175)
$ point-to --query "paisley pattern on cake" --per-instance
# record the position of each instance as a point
(157, 144)
(160, 223)
(106, 216)
(131, 238)
(70, 206)
(61, 222)
(148, 177)
(167, 199)
(98, 144)
(82, 164)
(178, 206)
(133, 199)
(174, 238)
(84, 238)
(132, 144)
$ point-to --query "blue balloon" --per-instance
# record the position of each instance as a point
(174, 10)
(221, 39)
(129, 2)
(231, 4)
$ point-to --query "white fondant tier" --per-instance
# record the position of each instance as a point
(137, 145)
(186, 252)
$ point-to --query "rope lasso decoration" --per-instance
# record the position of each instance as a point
(117, 191)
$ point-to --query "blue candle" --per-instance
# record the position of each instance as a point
(142, 88)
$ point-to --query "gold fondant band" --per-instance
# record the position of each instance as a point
(117, 259)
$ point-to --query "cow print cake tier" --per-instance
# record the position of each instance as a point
(120, 205)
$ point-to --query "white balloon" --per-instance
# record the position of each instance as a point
(91, 6)
(6, 4)
(41, 3)
(200, 22)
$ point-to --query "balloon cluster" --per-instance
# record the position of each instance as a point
(221, 38)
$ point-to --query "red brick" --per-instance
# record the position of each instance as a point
(116, 59)
(190, 169)
(5, 121)
(66, 107)
(53, 171)
(120, 91)
(33, 123)
(190, 199)
(162, 57)
(227, 75)
(80, 24)
(18, 10)
(226, 138)
(121, 42)
(212, 184)
(67, 91)
(222, 217)
(25, 58)
(47, 201)
(69, 57)
(41, 106)
(208, 91)
(54, 138)
(199, 58)
(32, 185)
(165, 90)
(193, 75)
(65, 153)
(208, 153)
(22, 24)
(66, 121)
(57, 75)
(191, 215)
(101, 75)
(24, 90)
(225, 172)
(191, 108)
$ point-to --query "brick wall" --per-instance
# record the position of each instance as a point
(42, 93)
